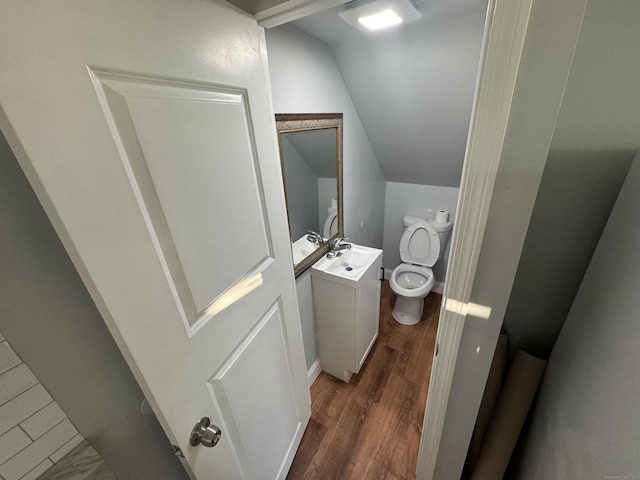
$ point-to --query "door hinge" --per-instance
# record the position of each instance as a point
(177, 452)
(437, 348)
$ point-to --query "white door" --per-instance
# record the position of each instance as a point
(146, 130)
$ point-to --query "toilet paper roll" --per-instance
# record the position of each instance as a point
(334, 203)
(442, 216)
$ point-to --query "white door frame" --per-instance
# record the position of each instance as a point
(525, 59)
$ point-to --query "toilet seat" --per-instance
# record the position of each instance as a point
(420, 244)
(412, 281)
(330, 225)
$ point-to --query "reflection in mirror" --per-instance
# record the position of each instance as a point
(311, 155)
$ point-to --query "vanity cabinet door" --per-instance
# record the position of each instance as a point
(367, 316)
(347, 320)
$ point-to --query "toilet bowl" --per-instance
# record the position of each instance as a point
(411, 284)
(413, 279)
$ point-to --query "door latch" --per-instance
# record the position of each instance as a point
(177, 452)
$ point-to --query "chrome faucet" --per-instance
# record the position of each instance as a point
(336, 247)
(315, 238)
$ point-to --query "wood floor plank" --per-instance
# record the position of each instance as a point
(312, 438)
(384, 444)
(370, 428)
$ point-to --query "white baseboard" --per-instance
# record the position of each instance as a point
(313, 372)
(438, 287)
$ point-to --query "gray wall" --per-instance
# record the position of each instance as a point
(594, 140)
(409, 199)
(577, 192)
(585, 424)
(52, 323)
(413, 86)
(305, 79)
(301, 185)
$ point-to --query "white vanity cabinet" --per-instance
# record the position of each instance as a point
(346, 302)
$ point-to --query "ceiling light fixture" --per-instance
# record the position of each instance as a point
(379, 14)
(378, 21)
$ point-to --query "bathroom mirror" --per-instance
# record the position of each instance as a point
(311, 156)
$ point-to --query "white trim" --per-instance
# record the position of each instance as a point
(314, 372)
(293, 10)
(502, 48)
(387, 273)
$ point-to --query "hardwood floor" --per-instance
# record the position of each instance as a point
(370, 428)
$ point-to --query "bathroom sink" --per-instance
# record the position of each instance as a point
(350, 267)
(302, 248)
(346, 306)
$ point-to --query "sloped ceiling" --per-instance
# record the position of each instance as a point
(413, 86)
(318, 149)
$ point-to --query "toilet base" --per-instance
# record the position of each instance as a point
(408, 311)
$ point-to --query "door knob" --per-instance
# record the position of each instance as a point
(204, 433)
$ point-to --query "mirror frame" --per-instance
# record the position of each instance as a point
(297, 122)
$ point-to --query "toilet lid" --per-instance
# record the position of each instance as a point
(420, 244)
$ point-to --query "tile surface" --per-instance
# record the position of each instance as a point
(31, 456)
(82, 463)
(22, 407)
(12, 442)
(43, 421)
(8, 358)
(34, 431)
(39, 470)
(15, 381)
(56, 456)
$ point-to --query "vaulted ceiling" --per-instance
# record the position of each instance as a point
(412, 86)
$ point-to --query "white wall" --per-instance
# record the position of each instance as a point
(585, 422)
(305, 79)
(50, 320)
(409, 199)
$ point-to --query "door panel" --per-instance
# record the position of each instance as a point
(164, 185)
(270, 435)
(177, 142)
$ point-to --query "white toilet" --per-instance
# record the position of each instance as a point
(421, 244)
(331, 222)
